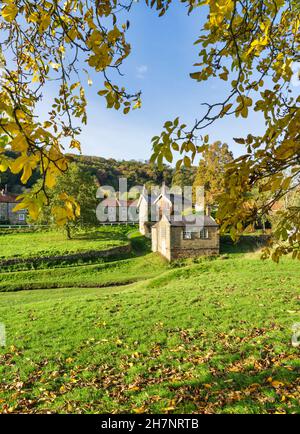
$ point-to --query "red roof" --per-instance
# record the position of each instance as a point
(8, 198)
(110, 201)
(113, 202)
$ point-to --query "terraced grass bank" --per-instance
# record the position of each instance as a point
(118, 272)
(208, 336)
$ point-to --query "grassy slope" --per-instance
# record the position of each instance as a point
(212, 336)
(55, 243)
(95, 275)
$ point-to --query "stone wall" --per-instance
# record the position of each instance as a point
(185, 248)
(193, 253)
(162, 233)
(211, 242)
(89, 255)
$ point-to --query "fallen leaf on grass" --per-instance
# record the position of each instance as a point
(139, 410)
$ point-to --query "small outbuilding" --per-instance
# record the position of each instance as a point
(179, 239)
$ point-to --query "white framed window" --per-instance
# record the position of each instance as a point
(204, 234)
(21, 217)
(187, 235)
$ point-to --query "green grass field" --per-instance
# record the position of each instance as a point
(53, 243)
(204, 336)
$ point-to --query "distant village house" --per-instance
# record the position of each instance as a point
(8, 201)
(177, 238)
(113, 209)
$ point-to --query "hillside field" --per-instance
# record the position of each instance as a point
(136, 334)
(41, 243)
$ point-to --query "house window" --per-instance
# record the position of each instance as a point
(21, 217)
(204, 234)
(187, 235)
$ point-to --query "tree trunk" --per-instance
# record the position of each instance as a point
(68, 230)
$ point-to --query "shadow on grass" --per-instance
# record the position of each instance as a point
(107, 234)
(246, 244)
(140, 246)
(269, 390)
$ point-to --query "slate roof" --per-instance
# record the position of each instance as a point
(205, 221)
(8, 198)
(114, 202)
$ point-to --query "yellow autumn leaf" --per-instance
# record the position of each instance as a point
(62, 49)
(44, 22)
(17, 165)
(3, 166)
(166, 409)
(35, 78)
(9, 12)
(54, 65)
(59, 215)
(139, 410)
(62, 164)
(224, 76)
(71, 35)
(33, 210)
(27, 172)
(64, 196)
(19, 143)
(137, 105)
(77, 209)
(258, 45)
(277, 384)
(50, 179)
(75, 144)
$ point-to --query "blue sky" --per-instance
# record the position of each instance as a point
(162, 58)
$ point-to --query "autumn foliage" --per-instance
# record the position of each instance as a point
(250, 45)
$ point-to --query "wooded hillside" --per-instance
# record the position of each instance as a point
(108, 172)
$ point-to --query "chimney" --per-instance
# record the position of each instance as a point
(208, 210)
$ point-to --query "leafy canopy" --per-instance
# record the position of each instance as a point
(82, 202)
(43, 42)
(250, 44)
(254, 46)
(211, 171)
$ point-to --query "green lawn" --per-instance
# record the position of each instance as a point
(87, 276)
(29, 244)
(206, 336)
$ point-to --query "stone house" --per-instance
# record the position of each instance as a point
(147, 211)
(7, 216)
(170, 204)
(175, 231)
(113, 209)
(178, 239)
